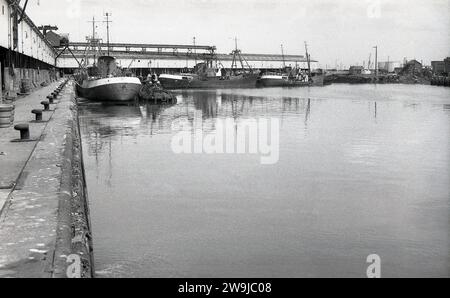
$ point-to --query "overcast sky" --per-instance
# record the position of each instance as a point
(336, 30)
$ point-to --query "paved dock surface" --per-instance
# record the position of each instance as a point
(30, 178)
(13, 156)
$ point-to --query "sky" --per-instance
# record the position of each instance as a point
(337, 31)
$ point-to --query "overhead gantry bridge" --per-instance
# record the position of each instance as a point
(170, 56)
(133, 53)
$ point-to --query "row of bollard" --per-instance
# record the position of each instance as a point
(24, 128)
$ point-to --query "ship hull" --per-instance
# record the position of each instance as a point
(247, 81)
(281, 83)
(174, 82)
(110, 89)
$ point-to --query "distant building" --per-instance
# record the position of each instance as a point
(388, 66)
(412, 67)
(355, 70)
(447, 65)
(441, 67)
(438, 67)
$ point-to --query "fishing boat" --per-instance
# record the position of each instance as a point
(228, 81)
(292, 77)
(104, 80)
(175, 81)
(212, 75)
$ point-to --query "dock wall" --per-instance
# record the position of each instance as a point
(13, 78)
(74, 235)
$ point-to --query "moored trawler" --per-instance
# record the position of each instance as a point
(246, 80)
(105, 82)
(171, 81)
(110, 89)
(206, 76)
(282, 80)
(292, 77)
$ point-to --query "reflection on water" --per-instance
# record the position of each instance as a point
(362, 170)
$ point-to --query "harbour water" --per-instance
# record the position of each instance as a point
(362, 169)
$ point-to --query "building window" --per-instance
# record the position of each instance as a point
(3, 9)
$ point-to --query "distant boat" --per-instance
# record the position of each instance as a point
(283, 80)
(208, 82)
(105, 82)
(175, 81)
(292, 77)
(206, 76)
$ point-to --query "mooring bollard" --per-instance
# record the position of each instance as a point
(38, 114)
(46, 105)
(24, 131)
(50, 99)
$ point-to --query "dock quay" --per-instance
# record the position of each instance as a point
(44, 221)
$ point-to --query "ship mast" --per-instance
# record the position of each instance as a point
(376, 62)
(93, 42)
(308, 59)
(93, 27)
(107, 29)
(237, 54)
(195, 52)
